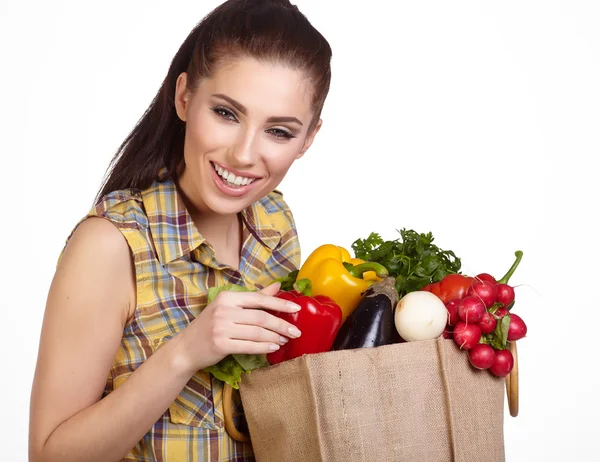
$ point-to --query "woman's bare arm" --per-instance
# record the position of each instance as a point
(90, 300)
(91, 297)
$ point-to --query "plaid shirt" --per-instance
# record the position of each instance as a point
(174, 266)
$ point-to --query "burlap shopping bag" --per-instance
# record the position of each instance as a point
(416, 401)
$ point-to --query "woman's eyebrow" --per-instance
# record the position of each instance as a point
(236, 104)
(283, 120)
(240, 107)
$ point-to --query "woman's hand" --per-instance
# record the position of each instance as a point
(236, 323)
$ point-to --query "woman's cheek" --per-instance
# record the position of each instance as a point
(211, 136)
(279, 163)
(205, 133)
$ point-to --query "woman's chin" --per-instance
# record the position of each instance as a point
(228, 206)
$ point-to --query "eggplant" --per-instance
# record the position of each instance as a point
(371, 324)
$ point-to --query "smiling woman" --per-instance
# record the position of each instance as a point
(189, 203)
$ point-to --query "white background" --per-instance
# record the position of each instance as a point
(477, 121)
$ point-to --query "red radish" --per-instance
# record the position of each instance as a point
(452, 307)
(516, 329)
(448, 332)
(505, 294)
(467, 335)
(487, 323)
(503, 363)
(484, 290)
(482, 356)
(471, 309)
(486, 277)
(501, 312)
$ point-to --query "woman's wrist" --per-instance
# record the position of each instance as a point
(182, 362)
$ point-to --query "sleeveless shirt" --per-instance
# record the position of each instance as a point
(174, 267)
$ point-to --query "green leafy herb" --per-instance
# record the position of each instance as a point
(413, 259)
(231, 368)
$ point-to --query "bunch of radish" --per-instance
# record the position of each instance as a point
(482, 322)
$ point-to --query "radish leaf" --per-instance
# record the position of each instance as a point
(504, 323)
(499, 338)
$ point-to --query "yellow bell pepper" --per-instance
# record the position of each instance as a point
(334, 273)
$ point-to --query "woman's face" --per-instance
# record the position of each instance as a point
(245, 126)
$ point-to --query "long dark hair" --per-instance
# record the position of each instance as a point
(273, 30)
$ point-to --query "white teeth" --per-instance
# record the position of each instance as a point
(231, 178)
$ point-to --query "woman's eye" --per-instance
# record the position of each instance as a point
(281, 134)
(224, 113)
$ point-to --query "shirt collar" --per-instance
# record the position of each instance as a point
(175, 234)
(258, 221)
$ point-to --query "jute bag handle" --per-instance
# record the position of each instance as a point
(512, 394)
(449, 416)
(512, 383)
(234, 433)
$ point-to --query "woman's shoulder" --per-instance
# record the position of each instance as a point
(114, 216)
(96, 255)
(99, 235)
(122, 207)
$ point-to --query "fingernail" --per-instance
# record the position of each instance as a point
(273, 347)
(283, 340)
(294, 332)
(292, 306)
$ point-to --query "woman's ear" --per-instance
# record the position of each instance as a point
(310, 138)
(181, 96)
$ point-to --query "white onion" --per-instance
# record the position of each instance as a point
(420, 315)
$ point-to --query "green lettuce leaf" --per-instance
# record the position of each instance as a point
(251, 362)
(227, 370)
(214, 291)
(288, 281)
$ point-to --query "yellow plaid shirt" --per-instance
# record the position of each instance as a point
(174, 266)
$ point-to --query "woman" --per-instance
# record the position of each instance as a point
(190, 203)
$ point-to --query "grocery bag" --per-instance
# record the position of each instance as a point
(414, 401)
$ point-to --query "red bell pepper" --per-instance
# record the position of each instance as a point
(453, 286)
(319, 320)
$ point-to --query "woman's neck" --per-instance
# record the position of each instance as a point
(222, 232)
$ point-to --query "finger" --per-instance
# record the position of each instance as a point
(257, 334)
(260, 300)
(271, 289)
(251, 348)
(267, 321)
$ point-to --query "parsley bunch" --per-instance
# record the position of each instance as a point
(413, 260)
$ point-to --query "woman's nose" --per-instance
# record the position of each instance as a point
(244, 150)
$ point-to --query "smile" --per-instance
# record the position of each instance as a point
(232, 179)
